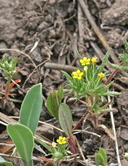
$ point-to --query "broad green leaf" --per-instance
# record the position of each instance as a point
(31, 108)
(2, 161)
(23, 140)
(65, 119)
(53, 102)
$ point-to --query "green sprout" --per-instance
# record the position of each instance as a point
(8, 66)
(57, 149)
(101, 158)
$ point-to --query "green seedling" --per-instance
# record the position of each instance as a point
(23, 134)
(8, 66)
(57, 149)
(101, 158)
(62, 112)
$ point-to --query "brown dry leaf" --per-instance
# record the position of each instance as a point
(124, 133)
(107, 131)
(4, 148)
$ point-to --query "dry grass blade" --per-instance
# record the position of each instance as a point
(114, 131)
(97, 30)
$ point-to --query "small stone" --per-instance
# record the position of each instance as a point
(124, 133)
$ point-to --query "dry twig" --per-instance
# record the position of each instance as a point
(97, 31)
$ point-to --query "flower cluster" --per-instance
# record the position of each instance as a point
(61, 140)
(77, 74)
(86, 62)
(59, 149)
(87, 82)
(101, 75)
(94, 60)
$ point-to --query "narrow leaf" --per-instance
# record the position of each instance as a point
(65, 119)
(102, 152)
(23, 139)
(125, 68)
(97, 159)
(31, 108)
(44, 144)
(101, 67)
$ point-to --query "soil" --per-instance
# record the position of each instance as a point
(44, 35)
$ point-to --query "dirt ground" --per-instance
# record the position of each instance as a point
(56, 29)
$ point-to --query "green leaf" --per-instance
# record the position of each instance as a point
(97, 159)
(53, 102)
(44, 145)
(67, 76)
(126, 45)
(78, 54)
(24, 142)
(5, 162)
(103, 154)
(125, 68)
(101, 67)
(65, 119)
(101, 158)
(31, 108)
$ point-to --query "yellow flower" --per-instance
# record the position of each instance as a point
(85, 61)
(94, 60)
(54, 144)
(101, 75)
(61, 140)
(77, 74)
(126, 155)
(85, 68)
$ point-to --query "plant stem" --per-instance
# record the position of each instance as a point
(28, 163)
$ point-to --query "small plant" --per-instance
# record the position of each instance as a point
(62, 112)
(22, 134)
(58, 149)
(8, 66)
(87, 82)
(101, 158)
